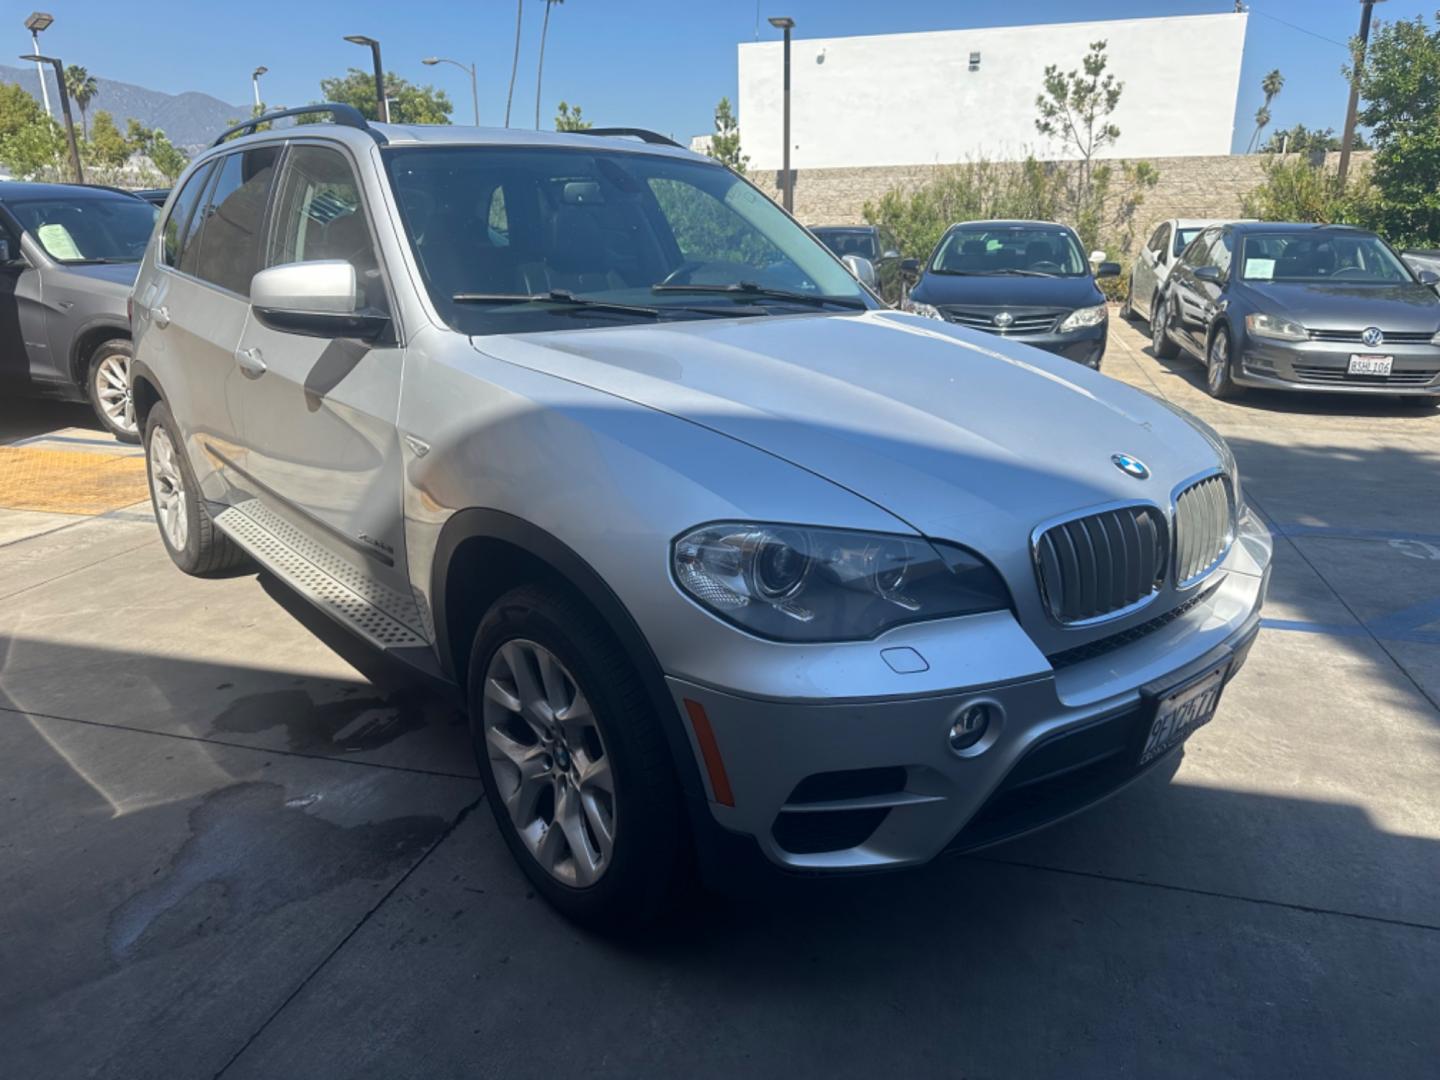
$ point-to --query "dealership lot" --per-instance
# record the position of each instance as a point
(223, 848)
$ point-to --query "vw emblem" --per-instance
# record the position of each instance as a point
(1004, 319)
(1372, 336)
(1131, 466)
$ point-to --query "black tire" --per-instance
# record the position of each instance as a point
(117, 349)
(207, 552)
(1219, 368)
(646, 866)
(1160, 343)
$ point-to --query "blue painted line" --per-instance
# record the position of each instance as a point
(1409, 637)
(1336, 532)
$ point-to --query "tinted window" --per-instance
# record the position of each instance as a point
(1220, 253)
(234, 216)
(849, 242)
(178, 223)
(1321, 256)
(91, 228)
(319, 216)
(1009, 249)
(1183, 238)
(1198, 253)
(1158, 239)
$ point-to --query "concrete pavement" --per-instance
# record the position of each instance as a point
(225, 848)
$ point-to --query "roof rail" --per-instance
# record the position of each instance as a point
(344, 115)
(643, 135)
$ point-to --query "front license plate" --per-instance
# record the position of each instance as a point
(1370, 365)
(1182, 712)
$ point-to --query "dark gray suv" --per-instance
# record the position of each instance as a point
(68, 257)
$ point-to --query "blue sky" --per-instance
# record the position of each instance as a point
(660, 64)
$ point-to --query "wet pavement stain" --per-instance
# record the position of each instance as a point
(349, 725)
(250, 853)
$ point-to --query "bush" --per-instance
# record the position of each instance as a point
(1297, 189)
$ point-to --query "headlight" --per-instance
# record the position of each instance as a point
(1273, 326)
(915, 307)
(799, 584)
(1085, 316)
(1436, 339)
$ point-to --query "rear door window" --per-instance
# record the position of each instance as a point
(177, 229)
(234, 218)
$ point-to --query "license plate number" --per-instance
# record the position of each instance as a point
(1182, 712)
(1371, 365)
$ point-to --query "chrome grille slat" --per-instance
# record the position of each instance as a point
(1025, 322)
(1395, 337)
(1203, 529)
(1100, 565)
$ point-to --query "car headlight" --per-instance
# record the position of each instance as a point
(1273, 326)
(916, 307)
(801, 584)
(1083, 317)
(1436, 339)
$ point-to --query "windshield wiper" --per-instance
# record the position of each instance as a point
(753, 289)
(996, 273)
(563, 297)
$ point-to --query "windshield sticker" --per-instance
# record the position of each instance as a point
(1260, 269)
(58, 242)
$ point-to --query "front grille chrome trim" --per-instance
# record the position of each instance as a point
(1202, 516)
(1087, 560)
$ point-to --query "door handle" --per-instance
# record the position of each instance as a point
(160, 316)
(252, 363)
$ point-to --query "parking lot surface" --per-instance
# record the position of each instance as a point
(224, 850)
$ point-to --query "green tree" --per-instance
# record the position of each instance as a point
(17, 109)
(568, 119)
(1400, 90)
(1301, 140)
(1075, 108)
(1270, 86)
(30, 142)
(409, 103)
(1295, 189)
(169, 160)
(106, 145)
(83, 89)
(725, 143)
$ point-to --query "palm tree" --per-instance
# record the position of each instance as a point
(1271, 86)
(515, 63)
(83, 89)
(540, 68)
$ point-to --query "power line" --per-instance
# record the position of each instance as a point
(1295, 26)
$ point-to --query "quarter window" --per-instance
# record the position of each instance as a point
(1159, 238)
(319, 216)
(234, 216)
(177, 230)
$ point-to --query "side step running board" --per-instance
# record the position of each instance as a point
(365, 607)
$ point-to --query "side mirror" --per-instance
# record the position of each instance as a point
(1427, 277)
(910, 268)
(1208, 273)
(891, 254)
(1107, 269)
(861, 267)
(317, 299)
(1097, 256)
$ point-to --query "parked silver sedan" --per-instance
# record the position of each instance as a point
(1156, 259)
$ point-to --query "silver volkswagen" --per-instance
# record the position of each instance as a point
(733, 565)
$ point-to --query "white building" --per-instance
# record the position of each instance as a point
(957, 95)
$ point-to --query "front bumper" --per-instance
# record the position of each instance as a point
(1320, 366)
(1085, 346)
(863, 784)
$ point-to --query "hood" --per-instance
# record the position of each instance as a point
(1006, 290)
(961, 435)
(117, 278)
(1412, 307)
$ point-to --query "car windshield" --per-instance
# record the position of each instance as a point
(517, 239)
(1045, 250)
(91, 229)
(1183, 238)
(1321, 256)
(849, 242)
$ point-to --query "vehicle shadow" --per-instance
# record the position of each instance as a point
(24, 417)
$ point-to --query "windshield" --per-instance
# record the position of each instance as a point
(849, 242)
(1183, 238)
(94, 228)
(517, 239)
(1045, 250)
(1321, 256)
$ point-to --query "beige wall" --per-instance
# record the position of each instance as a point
(1194, 187)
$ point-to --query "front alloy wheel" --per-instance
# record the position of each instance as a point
(1218, 381)
(110, 393)
(549, 762)
(167, 490)
(1160, 343)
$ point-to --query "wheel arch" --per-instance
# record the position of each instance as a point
(146, 389)
(91, 337)
(482, 553)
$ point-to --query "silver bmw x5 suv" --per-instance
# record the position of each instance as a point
(733, 565)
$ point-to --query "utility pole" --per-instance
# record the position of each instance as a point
(787, 187)
(1366, 8)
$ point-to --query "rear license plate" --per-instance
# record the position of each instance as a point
(1370, 365)
(1180, 713)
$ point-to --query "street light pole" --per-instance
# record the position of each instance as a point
(382, 106)
(1367, 6)
(64, 108)
(255, 81)
(40, 20)
(431, 61)
(788, 190)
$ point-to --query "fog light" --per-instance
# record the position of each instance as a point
(970, 726)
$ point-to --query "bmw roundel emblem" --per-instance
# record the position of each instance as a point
(1372, 336)
(1131, 466)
